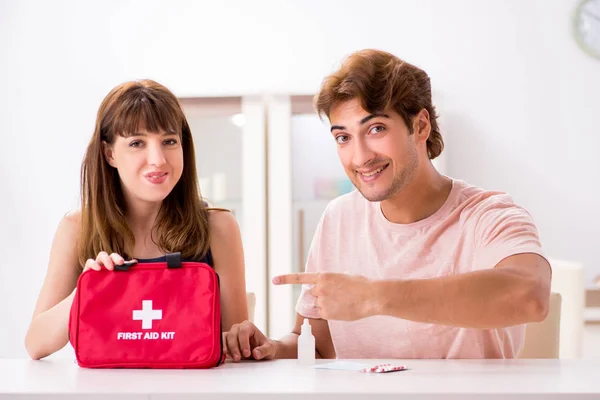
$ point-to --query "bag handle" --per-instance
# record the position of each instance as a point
(173, 261)
(125, 266)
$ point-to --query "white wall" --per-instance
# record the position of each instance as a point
(516, 95)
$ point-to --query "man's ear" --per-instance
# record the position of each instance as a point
(422, 125)
(108, 154)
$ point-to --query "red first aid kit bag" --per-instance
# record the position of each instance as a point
(148, 315)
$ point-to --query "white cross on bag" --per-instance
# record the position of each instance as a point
(147, 314)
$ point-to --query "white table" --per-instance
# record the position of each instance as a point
(426, 379)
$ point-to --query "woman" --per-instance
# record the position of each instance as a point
(140, 200)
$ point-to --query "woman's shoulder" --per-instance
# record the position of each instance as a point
(68, 231)
(225, 241)
(71, 222)
(222, 223)
(64, 244)
(73, 216)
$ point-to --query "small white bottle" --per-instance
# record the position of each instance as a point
(306, 344)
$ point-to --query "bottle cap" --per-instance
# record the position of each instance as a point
(306, 328)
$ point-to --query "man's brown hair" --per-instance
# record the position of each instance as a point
(380, 80)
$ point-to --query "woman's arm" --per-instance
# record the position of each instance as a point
(48, 330)
(228, 257)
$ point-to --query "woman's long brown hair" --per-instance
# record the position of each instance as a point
(182, 222)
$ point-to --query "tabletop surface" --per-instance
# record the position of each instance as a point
(280, 377)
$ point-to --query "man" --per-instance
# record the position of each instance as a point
(412, 264)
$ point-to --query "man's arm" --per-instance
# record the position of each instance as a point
(516, 291)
